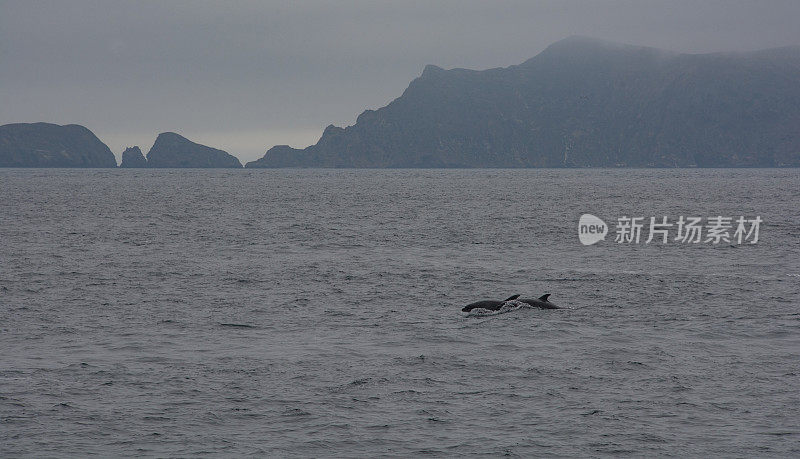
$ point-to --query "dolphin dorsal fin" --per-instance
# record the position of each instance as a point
(544, 297)
(512, 297)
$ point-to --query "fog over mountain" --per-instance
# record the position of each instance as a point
(581, 103)
(243, 76)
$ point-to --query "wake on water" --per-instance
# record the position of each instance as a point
(508, 306)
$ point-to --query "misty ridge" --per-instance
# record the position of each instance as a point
(580, 103)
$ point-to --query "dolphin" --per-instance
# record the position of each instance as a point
(542, 302)
(493, 305)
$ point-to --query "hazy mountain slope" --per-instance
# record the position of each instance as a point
(581, 102)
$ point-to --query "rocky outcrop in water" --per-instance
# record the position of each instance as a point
(51, 145)
(173, 150)
(580, 103)
(132, 157)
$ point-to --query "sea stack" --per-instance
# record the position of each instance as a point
(132, 157)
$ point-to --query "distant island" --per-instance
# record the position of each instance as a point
(580, 103)
(173, 150)
(51, 145)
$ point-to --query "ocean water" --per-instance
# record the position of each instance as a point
(318, 313)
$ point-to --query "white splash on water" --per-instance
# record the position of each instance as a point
(508, 306)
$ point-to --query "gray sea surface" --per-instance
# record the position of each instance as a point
(318, 313)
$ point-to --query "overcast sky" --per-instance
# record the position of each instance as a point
(246, 75)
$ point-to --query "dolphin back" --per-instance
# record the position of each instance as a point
(542, 302)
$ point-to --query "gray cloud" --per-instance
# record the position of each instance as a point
(246, 75)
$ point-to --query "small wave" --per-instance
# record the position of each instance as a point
(237, 325)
